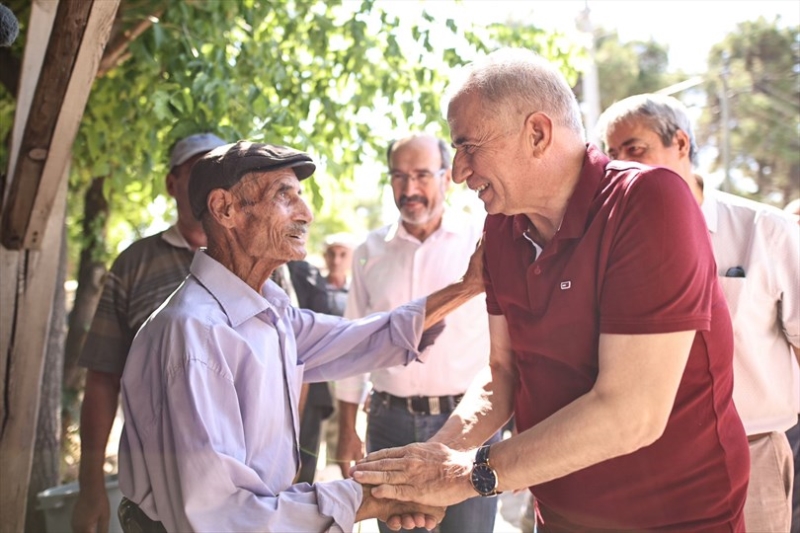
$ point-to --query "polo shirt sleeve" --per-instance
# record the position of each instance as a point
(660, 273)
(109, 338)
(492, 306)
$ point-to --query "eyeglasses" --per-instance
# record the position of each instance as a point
(422, 177)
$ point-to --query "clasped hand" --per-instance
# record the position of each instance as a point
(427, 473)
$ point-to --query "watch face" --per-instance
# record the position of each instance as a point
(484, 480)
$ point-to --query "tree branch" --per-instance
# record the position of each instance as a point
(115, 51)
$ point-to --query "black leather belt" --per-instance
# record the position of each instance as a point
(421, 405)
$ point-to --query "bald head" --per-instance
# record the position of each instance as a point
(420, 140)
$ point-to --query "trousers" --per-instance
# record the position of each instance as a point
(133, 520)
(390, 426)
(768, 506)
(793, 434)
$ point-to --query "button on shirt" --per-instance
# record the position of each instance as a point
(764, 305)
(210, 393)
(392, 266)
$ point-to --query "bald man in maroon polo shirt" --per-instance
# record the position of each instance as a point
(611, 343)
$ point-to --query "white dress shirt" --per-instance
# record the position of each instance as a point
(392, 267)
(764, 305)
(210, 392)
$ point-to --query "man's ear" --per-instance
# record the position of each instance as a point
(681, 139)
(539, 131)
(171, 184)
(221, 207)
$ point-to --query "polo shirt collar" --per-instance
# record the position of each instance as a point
(237, 299)
(573, 225)
(174, 237)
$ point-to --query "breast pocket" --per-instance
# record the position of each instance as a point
(734, 290)
(299, 371)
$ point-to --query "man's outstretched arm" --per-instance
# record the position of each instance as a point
(627, 409)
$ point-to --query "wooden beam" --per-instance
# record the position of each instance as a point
(73, 54)
(35, 281)
(28, 278)
(39, 26)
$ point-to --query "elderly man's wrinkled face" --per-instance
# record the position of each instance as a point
(272, 217)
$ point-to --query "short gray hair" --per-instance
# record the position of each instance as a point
(513, 80)
(444, 150)
(664, 115)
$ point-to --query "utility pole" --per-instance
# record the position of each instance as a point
(590, 85)
(725, 149)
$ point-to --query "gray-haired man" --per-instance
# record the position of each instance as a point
(757, 249)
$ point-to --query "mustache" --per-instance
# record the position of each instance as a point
(413, 198)
(297, 228)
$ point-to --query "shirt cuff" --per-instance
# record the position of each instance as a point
(407, 322)
(340, 500)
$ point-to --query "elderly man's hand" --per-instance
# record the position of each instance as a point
(398, 514)
(426, 472)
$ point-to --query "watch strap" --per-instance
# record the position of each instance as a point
(482, 455)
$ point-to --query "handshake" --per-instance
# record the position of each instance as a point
(411, 486)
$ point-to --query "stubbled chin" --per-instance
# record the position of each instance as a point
(297, 250)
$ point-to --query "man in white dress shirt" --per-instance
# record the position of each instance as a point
(211, 385)
(757, 250)
(423, 251)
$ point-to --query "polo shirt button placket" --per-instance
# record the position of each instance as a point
(537, 270)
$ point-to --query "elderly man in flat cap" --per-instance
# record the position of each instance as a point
(210, 389)
(139, 281)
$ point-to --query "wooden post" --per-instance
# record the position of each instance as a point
(73, 55)
(34, 215)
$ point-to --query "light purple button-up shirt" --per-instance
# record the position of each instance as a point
(210, 393)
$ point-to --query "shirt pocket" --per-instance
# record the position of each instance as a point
(734, 290)
(299, 372)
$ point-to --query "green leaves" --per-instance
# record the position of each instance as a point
(336, 79)
(759, 65)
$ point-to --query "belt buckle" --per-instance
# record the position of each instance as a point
(410, 404)
(433, 405)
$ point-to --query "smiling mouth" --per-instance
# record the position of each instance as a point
(481, 189)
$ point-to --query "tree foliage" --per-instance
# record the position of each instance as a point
(338, 79)
(760, 63)
(296, 73)
(628, 68)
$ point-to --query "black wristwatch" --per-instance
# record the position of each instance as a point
(483, 476)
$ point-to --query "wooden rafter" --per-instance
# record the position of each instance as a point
(71, 61)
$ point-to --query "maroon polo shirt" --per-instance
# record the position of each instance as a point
(632, 256)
